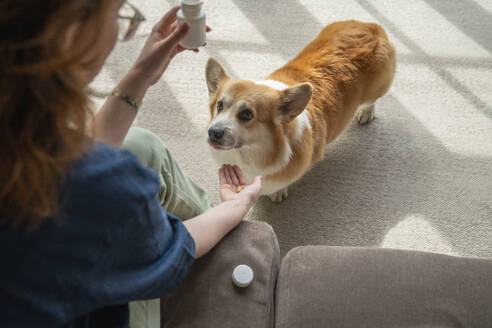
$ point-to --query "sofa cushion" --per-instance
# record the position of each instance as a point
(322, 286)
(208, 298)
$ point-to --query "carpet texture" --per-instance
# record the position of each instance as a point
(417, 177)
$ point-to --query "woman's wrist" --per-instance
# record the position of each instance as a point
(112, 122)
(210, 227)
(241, 206)
(133, 85)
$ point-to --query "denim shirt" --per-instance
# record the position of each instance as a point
(111, 242)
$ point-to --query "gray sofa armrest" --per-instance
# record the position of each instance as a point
(321, 286)
(208, 298)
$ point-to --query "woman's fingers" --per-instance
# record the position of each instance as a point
(258, 183)
(233, 175)
(166, 21)
(240, 175)
(258, 180)
(173, 26)
(222, 178)
(173, 39)
(227, 174)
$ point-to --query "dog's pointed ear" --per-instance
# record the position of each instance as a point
(214, 74)
(294, 100)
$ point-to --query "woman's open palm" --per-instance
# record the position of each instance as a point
(233, 184)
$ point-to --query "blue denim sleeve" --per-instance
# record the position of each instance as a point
(151, 250)
(150, 265)
(145, 252)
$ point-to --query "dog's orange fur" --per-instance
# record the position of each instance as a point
(349, 63)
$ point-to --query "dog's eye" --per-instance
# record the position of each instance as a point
(245, 115)
(220, 106)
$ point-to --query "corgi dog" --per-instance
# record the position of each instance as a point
(277, 127)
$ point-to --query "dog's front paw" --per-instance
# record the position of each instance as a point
(365, 114)
(279, 196)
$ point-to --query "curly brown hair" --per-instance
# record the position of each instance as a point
(44, 101)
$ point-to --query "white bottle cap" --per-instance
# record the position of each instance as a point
(242, 276)
(191, 8)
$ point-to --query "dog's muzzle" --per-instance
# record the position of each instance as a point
(220, 137)
(216, 135)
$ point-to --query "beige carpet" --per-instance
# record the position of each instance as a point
(419, 176)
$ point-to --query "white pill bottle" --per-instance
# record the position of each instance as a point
(192, 13)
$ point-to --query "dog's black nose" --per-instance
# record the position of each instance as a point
(215, 134)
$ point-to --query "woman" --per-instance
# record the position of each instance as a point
(83, 232)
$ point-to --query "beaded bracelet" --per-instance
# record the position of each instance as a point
(134, 102)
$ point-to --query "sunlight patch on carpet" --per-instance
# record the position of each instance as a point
(415, 232)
